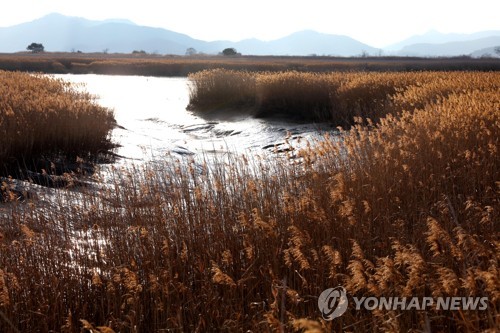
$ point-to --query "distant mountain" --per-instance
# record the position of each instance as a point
(436, 37)
(61, 33)
(451, 48)
(489, 52)
(306, 43)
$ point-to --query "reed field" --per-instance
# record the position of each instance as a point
(171, 65)
(43, 116)
(334, 97)
(407, 206)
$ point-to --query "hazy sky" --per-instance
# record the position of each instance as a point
(375, 22)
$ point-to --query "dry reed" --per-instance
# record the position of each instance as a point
(40, 115)
(408, 207)
(339, 98)
(170, 65)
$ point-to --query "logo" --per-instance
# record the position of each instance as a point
(333, 303)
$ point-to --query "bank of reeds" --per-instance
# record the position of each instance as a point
(336, 97)
(171, 65)
(43, 116)
(408, 207)
(222, 89)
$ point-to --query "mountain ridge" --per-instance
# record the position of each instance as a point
(455, 48)
(58, 32)
(436, 37)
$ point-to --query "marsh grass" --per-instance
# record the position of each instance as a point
(224, 89)
(339, 98)
(170, 65)
(405, 207)
(43, 116)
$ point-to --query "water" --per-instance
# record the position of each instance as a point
(154, 122)
(155, 126)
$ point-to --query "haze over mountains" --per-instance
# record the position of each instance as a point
(62, 33)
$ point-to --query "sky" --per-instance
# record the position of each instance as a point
(376, 23)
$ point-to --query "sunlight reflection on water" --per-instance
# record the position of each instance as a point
(154, 120)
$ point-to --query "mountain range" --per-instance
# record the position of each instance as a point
(66, 34)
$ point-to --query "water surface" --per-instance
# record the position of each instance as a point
(153, 120)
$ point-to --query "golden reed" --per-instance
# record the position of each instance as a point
(407, 206)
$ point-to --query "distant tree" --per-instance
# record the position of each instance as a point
(191, 51)
(105, 51)
(497, 50)
(35, 47)
(230, 51)
(138, 52)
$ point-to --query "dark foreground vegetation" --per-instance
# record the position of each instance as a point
(155, 65)
(407, 206)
